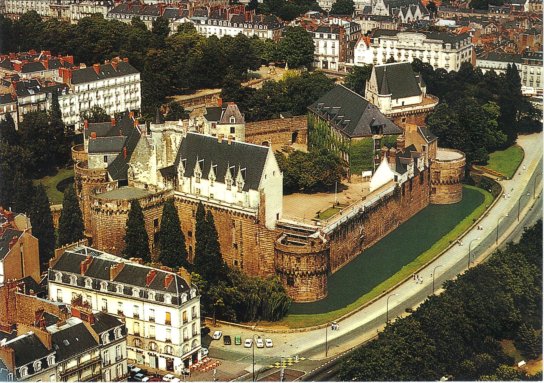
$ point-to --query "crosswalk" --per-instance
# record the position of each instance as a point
(286, 362)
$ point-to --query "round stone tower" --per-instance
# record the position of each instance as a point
(303, 266)
(447, 173)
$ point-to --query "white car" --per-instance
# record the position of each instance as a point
(217, 335)
(204, 351)
(168, 377)
(259, 343)
(248, 343)
(175, 380)
(268, 342)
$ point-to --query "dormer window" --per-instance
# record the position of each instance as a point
(23, 371)
(167, 298)
(229, 183)
(136, 292)
(192, 293)
(183, 297)
(51, 360)
(58, 277)
(119, 289)
(151, 296)
(240, 185)
(73, 280)
(103, 286)
(37, 366)
(232, 119)
(88, 283)
(105, 338)
(118, 333)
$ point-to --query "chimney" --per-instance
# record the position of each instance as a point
(86, 124)
(136, 123)
(84, 265)
(131, 114)
(392, 157)
(185, 275)
(168, 278)
(150, 277)
(125, 60)
(17, 66)
(229, 140)
(115, 270)
(124, 152)
(220, 138)
(220, 102)
(96, 68)
(139, 261)
(7, 355)
(113, 121)
(93, 134)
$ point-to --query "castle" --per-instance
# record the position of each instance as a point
(241, 184)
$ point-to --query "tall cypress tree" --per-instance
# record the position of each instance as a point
(8, 132)
(23, 191)
(136, 238)
(208, 261)
(61, 135)
(42, 225)
(172, 250)
(71, 220)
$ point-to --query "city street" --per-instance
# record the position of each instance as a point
(364, 324)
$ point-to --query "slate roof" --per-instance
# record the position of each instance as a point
(213, 113)
(5, 238)
(248, 158)
(28, 348)
(31, 287)
(118, 168)
(501, 57)
(231, 110)
(351, 114)
(447, 38)
(71, 341)
(106, 71)
(427, 134)
(399, 78)
(6, 98)
(32, 67)
(106, 144)
(104, 322)
(101, 129)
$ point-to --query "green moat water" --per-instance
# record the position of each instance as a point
(389, 255)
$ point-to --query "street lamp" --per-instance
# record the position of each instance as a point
(387, 309)
(434, 272)
(519, 201)
(534, 184)
(326, 340)
(254, 357)
(469, 247)
(498, 221)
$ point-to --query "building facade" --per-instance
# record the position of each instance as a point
(330, 46)
(161, 309)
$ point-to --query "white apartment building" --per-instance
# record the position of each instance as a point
(160, 308)
(45, 8)
(86, 8)
(439, 49)
(113, 86)
(262, 26)
(330, 46)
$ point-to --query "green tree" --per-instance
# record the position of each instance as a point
(42, 225)
(8, 133)
(96, 114)
(357, 78)
(62, 137)
(21, 201)
(208, 261)
(171, 241)
(528, 341)
(160, 29)
(186, 28)
(71, 220)
(296, 47)
(136, 238)
(36, 137)
(175, 112)
(343, 7)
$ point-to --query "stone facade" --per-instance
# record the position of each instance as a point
(280, 131)
(448, 171)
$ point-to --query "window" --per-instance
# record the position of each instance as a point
(168, 318)
(37, 366)
(183, 297)
(136, 311)
(73, 280)
(152, 332)
(105, 158)
(137, 342)
(232, 130)
(106, 358)
(103, 286)
(167, 298)
(51, 360)
(119, 370)
(118, 353)
(58, 277)
(59, 295)
(118, 333)
(23, 371)
(105, 338)
(104, 304)
(156, 222)
(152, 315)
(120, 308)
(168, 336)
(119, 289)
(136, 292)
(192, 293)
(184, 316)
(169, 350)
(229, 184)
(193, 312)
(151, 296)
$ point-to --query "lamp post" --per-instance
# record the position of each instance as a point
(434, 273)
(326, 340)
(519, 201)
(253, 357)
(469, 248)
(498, 222)
(534, 185)
(387, 309)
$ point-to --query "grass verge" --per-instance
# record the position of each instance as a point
(307, 320)
(51, 182)
(328, 213)
(506, 161)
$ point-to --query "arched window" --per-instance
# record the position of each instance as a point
(58, 277)
(103, 286)
(169, 350)
(51, 360)
(88, 283)
(37, 366)
(137, 342)
(136, 292)
(23, 371)
(118, 333)
(151, 296)
(167, 298)
(119, 289)
(105, 338)
(183, 297)
(185, 349)
(193, 293)
(232, 119)
(73, 280)
(194, 344)
(153, 346)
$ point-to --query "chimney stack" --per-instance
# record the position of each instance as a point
(113, 121)
(96, 68)
(84, 265)
(115, 270)
(150, 277)
(168, 278)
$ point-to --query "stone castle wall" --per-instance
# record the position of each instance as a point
(280, 131)
(447, 177)
(85, 181)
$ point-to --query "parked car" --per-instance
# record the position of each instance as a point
(217, 335)
(156, 378)
(204, 351)
(237, 340)
(168, 377)
(259, 343)
(135, 370)
(139, 377)
(226, 340)
(268, 342)
(175, 380)
(248, 343)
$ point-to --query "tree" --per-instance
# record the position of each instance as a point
(171, 241)
(343, 7)
(23, 190)
(8, 133)
(71, 220)
(42, 225)
(175, 112)
(160, 29)
(357, 78)
(136, 238)
(186, 28)
(36, 137)
(61, 137)
(96, 114)
(208, 261)
(528, 342)
(297, 47)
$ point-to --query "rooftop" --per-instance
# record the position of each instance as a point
(124, 193)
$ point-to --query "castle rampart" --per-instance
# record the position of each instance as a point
(280, 131)
(448, 171)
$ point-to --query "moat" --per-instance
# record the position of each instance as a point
(389, 255)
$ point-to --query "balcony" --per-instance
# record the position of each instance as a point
(136, 316)
(81, 365)
(106, 362)
(152, 319)
(118, 358)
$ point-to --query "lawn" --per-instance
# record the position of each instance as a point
(506, 161)
(383, 276)
(328, 213)
(51, 182)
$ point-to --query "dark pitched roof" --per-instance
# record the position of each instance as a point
(33, 67)
(207, 150)
(5, 239)
(106, 71)
(71, 341)
(427, 134)
(502, 57)
(7, 98)
(106, 144)
(31, 287)
(399, 78)
(28, 348)
(351, 114)
(231, 110)
(104, 322)
(119, 167)
(102, 129)
(213, 113)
